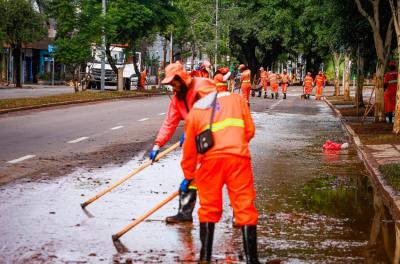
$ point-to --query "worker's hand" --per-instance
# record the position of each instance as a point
(154, 152)
(181, 139)
(184, 185)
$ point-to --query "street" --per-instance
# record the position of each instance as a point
(315, 206)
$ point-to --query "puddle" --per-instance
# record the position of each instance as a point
(315, 206)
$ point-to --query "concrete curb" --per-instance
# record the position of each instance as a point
(389, 196)
(4, 111)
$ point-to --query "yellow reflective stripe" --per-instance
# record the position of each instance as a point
(235, 122)
(222, 84)
(246, 81)
(392, 81)
(192, 187)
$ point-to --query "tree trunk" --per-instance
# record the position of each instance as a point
(360, 79)
(336, 63)
(164, 54)
(379, 103)
(346, 72)
(17, 65)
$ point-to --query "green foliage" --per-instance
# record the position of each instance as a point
(20, 23)
(78, 25)
(391, 173)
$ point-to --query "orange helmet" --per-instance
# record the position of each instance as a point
(205, 64)
(320, 72)
(223, 70)
(241, 67)
(261, 68)
(309, 73)
(176, 69)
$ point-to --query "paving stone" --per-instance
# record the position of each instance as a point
(380, 147)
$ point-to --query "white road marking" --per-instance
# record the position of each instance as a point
(143, 119)
(117, 127)
(276, 104)
(160, 114)
(21, 159)
(78, 140)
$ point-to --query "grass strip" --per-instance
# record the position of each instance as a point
(391, 173)
(71, 97)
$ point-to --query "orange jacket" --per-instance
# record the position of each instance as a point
(245, 77)
(273, 79)
(320, 80)
(219, 80)
(232, 129)
(263, 76)
(143, 76)
(390, 79)
(285, 78)
(308, 81)
(200, 73)
(178, 109)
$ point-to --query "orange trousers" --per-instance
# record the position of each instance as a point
(307, 89)
(318, 92)
(237, 174)
(274, 87)
(284, 87)
(246, 87)
(264, 84)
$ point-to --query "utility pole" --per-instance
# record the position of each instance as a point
(216, 36)
(171, 46)
(103, 51)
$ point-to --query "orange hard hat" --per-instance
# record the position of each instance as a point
(223, 70)
(176, 69)
(261, 68)
(203, 86)
(206, 64)
(241, 66)
(320, 72)
(308, 73)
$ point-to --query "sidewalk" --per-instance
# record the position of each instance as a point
(385, 196)
(33, 90)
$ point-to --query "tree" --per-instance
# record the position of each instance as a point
(21, 24)
(396, 16)
(379, 24)
(77, 24)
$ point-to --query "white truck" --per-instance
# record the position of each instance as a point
(93, 69)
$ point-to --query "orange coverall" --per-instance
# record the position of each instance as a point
(285, 82)
(264, 79)
(274, 82)
(390, 93)
(245, 78)
(222, 85)
(142, 80)
(228, 162)
(308, 82)
(320, 83)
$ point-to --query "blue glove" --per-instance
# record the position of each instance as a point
(184, 185)
(182, 139)
(154, 152)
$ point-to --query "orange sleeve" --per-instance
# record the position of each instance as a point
(386, 78)
(189, 157)
(170, 124)
(249, 128)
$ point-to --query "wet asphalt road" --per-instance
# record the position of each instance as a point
(315, 206)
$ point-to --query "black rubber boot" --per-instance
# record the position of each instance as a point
(249, 233)
(265, 95)
(284, 96)
(390, 117)
(206, 238)
(253, 93)
(259, 94)
(272, 95)
(276, 95)
(187, 201)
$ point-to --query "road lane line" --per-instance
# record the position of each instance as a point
(160, 114)
(21, 159)
(276, 104)
(78, 140)
(117, 127)
(143, 119)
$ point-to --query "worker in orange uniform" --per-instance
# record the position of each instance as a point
(307, 85)
(202, 70)
(185, 89)
(223, 161)
(221, 78)
(285, 78)
(142, 80)
(273, 79)
(263, 81)
(390, 87)
(320, 81)
(245, 79)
